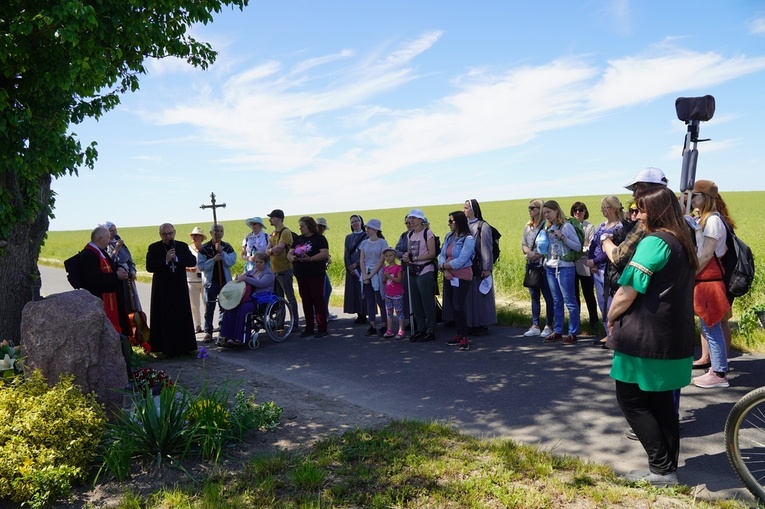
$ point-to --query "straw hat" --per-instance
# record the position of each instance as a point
(198, 231)
(231, 294)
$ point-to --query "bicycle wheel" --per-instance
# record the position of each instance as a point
(745, 440)
(279, 320)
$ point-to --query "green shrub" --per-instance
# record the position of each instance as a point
(208, 411)
(48, 438)
(160, 433)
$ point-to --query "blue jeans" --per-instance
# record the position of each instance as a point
(718, 352)
(563, 289)
(536, 306)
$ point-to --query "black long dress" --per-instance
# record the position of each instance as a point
(170, 322)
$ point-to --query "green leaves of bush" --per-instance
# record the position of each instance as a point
(48, 438)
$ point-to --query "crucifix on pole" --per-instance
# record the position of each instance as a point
(214, 206)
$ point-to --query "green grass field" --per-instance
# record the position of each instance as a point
(509, 217)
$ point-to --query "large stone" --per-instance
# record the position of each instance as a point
(69, 333)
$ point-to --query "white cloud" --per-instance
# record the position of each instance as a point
(340, 130)
(757, 26)
(633, 80)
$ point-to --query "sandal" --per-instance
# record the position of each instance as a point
(388, 334)
(400, 335)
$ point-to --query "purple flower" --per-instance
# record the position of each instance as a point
(202, 353)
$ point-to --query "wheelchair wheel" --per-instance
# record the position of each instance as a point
(279, 320)
(745, 440)
(253, 343)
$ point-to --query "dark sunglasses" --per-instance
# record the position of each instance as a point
(574, 211)
(633, 211)
(451, 221)
(531, 207)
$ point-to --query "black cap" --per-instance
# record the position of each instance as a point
(277, 213)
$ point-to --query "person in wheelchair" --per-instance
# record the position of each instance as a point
(259, 280)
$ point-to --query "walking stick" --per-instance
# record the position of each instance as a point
(214, 206)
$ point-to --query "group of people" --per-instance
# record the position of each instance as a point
(651, 271)
(645, 275)
(403, 278)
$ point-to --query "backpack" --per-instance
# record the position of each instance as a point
(572, 255)
(738, 263)
(72, 266)
(495, 236)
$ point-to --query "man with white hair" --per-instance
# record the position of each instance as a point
(215, 260)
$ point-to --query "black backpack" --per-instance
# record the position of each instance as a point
(495, 236)
(72, 266)
(738, 262)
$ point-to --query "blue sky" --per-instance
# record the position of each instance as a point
(328, 106)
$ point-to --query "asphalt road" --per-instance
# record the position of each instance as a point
(506, 385)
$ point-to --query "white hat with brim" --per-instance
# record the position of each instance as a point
(198, 231)
(231, 294)
(253, 220)
(419, 214)
(375, 224)
(320, 221)
(649, 176)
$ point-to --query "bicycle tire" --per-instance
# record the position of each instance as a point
(745, 441)
(279, 320)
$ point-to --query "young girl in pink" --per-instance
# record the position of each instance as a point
(394, 293)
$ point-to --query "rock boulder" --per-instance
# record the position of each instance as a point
(69, 333)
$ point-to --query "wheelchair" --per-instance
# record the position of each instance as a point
(273, 314)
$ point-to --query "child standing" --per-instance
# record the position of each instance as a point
(394, 293)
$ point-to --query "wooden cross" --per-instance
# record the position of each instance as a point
(214, 206)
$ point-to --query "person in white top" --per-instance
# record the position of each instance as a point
(194, 279)
(710, 300)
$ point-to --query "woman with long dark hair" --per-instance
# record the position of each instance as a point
(456, 263)
(353, 301)
(309, 262)
(583, 273)
(530, 246)
(481, 306)
(651, 330)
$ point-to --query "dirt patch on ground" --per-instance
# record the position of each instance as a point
(307, 418)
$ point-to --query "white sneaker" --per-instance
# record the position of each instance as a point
(331, 317)
(547, 331)
(710, 380)
(533, 331)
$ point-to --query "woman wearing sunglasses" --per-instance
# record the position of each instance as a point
(613, 211)
(583, 274)
(530, 244)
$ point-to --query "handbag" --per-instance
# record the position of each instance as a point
(533, 276)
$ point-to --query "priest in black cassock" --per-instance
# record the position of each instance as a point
(171, 323)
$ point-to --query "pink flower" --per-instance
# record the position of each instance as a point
(303, 249)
